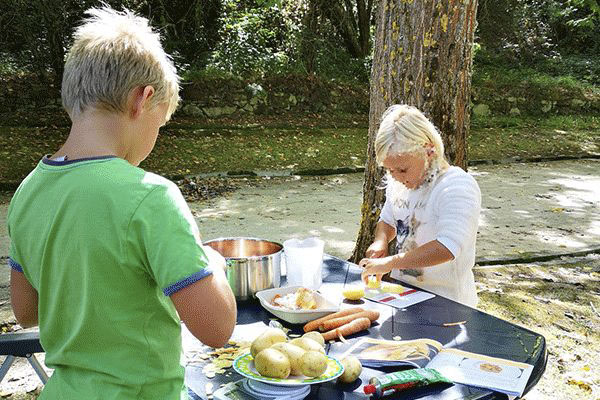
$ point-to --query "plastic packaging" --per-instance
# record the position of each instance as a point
(304, 259)
(402, 380)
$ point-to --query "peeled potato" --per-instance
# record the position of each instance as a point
(308, 344)
(266, 340)
(313, 364)
(272, 363)
(353, 292)
(391, 288)
(352, 369)
(293, 353)
(373, 282)
(316, 336)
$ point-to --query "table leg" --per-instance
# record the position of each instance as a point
(38, 368)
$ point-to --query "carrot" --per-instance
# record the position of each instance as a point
(314, 325)
(350, 328)
(337, 322)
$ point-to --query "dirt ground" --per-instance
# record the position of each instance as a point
(528, 209)
(561, 301)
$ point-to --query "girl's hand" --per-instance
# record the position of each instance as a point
(375, 266)
(377, 249)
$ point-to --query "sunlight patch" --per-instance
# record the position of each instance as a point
(559, 240)
(333, 229)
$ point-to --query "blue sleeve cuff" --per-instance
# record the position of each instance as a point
(177, 286)
(15, 265)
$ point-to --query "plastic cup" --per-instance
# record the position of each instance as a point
(304, 261)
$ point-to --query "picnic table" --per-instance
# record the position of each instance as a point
(481, 333)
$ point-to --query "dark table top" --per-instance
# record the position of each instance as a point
(482, 333)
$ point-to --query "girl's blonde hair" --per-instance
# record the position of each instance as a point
(113, 53)
(404, 129)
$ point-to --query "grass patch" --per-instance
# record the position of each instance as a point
(307, 142)
(552, 300)
(184, 151)
(496, 138)
(22, 148)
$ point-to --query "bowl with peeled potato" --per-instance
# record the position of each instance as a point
(296, 304)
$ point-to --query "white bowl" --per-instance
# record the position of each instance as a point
(324, 306)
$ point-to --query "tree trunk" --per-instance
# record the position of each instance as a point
(354, 26)
(55, 15)
(308, 48)
(423, 57)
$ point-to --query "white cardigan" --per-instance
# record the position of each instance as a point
(446, 209)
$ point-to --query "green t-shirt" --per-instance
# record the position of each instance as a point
(104, 244)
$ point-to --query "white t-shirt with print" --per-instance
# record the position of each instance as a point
(447, 210)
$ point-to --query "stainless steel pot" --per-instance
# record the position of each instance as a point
(252, 264)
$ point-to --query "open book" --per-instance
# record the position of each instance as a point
(396, 295)
(472, 369)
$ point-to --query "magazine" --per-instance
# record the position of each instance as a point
(396, 295)
(509, 377)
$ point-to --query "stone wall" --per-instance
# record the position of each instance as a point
(222, 97)
(218, 98)
(519, 100)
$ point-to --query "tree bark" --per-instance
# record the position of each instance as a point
(352, 22)
(308, 50)
(423, 57)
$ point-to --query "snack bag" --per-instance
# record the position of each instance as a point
(402, 380)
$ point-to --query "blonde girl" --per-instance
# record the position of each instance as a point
(431, 208)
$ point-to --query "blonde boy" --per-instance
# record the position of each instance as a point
(106, 257)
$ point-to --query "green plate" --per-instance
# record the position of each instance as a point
(244, 365)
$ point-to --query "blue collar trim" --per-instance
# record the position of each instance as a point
(49, 161)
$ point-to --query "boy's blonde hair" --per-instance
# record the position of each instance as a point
(112, 54)
(404, 129)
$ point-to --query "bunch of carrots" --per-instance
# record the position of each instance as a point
(343, 323)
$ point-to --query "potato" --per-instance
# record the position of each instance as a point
(293, 353)
(308, 344)
(272, 363)
(353, 292)
(391, 288)
(316, 336)
(266, 340)
(373, 282)
(352, 369)
(313, 364)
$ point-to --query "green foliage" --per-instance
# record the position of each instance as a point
(549, 87)
(526, 31)
(190, 29)
(585, 69)
(515, 29)
(260, 38)
(576, 23)
(503, 75)
(7, 65)
(253, 38)
(37, 33)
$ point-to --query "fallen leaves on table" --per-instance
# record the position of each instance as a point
(221, 359)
